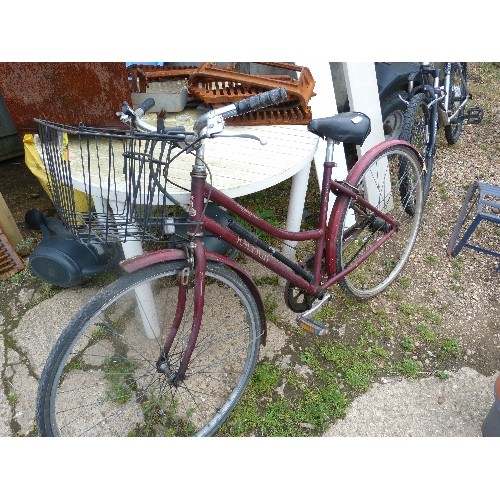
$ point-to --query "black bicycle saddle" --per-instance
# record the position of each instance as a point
(350, 127)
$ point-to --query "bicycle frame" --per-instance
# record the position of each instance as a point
(445, 118)
(248, 243)
(325, 236)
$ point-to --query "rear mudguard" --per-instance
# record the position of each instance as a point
(351, 179)
(149, 258)
(393, 76)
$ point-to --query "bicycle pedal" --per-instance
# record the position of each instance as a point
(311, 326)
(473, 116)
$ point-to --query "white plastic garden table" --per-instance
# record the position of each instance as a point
(238, 167)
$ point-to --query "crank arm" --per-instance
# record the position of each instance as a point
(459, 108)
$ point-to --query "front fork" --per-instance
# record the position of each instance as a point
(197, 263)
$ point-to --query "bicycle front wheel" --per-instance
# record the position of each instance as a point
(103, 377)
(360, 229)
(416, 130)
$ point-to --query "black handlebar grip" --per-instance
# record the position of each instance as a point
(147, 104)
(258, 101)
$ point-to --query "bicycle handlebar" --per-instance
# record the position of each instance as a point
(263, 100)
(144, 107)
(212, 122)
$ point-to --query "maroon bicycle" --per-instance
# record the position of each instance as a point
(169, 347)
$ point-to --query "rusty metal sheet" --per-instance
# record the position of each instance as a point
(64, 92)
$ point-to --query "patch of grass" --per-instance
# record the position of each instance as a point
(118, 374)
(408, 368)
(308, 357)
(99, 333)
(12, 398)
(443, 192)
(370, 328)
(306, 406)
(449, 348)
(407, 343)
(9, 341)
(442, 374)
(432, 317)
(431, 259)
(321, 405)
(325, 313)
(409, 309)
(26, 245)
(405, 282)
(266, 280)
(311, 411)
(266, 377)
(270, 306)
(359, 374)
(380, 352)
(457, 262)
(20, 277)
(356, 366)
(426, 333)
(76, 363)
(45, 291)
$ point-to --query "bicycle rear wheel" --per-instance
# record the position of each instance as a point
(101, 378)
(416, 130)
(360, 229)
(457, 94)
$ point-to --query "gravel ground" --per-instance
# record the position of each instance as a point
(463, 290)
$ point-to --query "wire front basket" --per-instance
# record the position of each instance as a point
(109, 183)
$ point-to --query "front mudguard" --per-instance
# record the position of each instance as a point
(150, 258)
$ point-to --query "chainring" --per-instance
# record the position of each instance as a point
(296, 299)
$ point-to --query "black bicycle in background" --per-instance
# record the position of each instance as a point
(435, 102)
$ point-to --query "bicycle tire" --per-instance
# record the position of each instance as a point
(359, 232)
(393, 108)
(415, 129)
(101, 378)
(457, 93)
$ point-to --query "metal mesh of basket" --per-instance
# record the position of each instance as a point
(109, 183)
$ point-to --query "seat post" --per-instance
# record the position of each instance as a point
(330, 143)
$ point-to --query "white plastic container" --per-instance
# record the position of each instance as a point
(170, 96)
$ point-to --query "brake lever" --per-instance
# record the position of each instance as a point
(127, 114)
(263, 142)
(123, 117)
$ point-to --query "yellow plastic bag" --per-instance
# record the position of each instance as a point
(35, 163)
